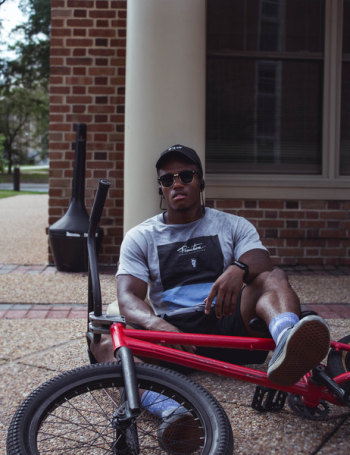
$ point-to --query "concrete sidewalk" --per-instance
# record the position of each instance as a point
(42, 323)
(35, 187)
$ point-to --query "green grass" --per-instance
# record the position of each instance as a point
(28, 176)
(10, 193)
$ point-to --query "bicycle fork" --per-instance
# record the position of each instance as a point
(125, 417)
(123, 420)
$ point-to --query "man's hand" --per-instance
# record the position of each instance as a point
(226, 290)
(228, 286)
(166, 327)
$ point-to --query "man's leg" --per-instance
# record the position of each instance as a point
(178, 423)
(103, 351)
(300, 345)
(267, 296)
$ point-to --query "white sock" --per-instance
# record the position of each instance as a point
(280, 323)
(160, 405)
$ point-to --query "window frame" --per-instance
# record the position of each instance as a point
(329, 184)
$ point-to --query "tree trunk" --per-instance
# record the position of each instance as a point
(9, 170)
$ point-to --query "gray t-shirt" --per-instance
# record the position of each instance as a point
(182, 261)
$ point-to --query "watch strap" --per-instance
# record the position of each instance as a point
(242, 266)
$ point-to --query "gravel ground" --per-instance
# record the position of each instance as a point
(72, 288)
(23, 220)
(58, 345)
(321, 289)
(47, 347)
(58, 288)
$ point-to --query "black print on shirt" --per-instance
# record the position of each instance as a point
(199, 260)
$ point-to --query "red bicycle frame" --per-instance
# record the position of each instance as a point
(150, 344)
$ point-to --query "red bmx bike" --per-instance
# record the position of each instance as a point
(96, 409)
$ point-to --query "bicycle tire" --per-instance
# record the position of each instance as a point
(338, 362)
(72, 413)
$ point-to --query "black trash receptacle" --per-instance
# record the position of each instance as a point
(68, 236)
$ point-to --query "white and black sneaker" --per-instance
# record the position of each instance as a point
(300, 349)
(180, 433)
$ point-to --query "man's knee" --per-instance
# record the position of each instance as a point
(274, 279)
(270, 290)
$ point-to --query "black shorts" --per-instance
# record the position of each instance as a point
(232, 325)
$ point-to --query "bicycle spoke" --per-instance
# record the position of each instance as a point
(83, 419)
(74, 414)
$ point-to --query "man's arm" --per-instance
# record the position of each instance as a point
(131, 299)
(228, 286)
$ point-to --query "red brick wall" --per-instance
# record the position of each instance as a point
(88, 49)
(298, 232)
(87, 85)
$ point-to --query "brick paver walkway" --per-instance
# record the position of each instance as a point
(63, 311)
(57, 311)
(16, 269)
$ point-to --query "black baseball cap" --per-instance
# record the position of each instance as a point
(182, 152)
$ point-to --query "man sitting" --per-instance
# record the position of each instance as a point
(206, 271)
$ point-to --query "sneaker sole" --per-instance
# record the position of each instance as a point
(311, 332)
(180, 435)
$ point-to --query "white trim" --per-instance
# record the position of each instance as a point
(332, 87)
(250, 188)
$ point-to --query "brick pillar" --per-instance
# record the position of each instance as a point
(87, 85)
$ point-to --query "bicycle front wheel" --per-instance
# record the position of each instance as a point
(73, 414)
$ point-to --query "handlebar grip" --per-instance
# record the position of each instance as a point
(100, 198)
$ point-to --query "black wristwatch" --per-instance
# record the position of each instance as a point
(242, 266)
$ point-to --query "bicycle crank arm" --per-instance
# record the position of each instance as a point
(319, 376)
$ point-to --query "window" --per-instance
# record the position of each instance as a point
(345, 95)
(274, 68)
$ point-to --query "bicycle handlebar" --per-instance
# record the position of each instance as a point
(100, 198)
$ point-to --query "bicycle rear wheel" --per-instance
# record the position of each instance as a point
(338, 361)
(72, 414)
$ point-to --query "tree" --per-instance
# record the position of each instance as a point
(2, 162)
(24, 100)
(22, 116)
(32, 66)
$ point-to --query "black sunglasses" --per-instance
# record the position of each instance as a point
(168, 180)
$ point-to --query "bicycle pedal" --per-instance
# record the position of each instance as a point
(259, 325)
(266, 399)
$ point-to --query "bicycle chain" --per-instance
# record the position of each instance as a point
(296, 405)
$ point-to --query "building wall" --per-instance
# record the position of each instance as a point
(87, 85)
(297, 232)
(88, 48)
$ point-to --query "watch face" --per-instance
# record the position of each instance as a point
(243, 267)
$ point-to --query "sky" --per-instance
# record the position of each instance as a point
(10, 16)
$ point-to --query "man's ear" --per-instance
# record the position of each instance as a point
(160, 191)
(202, 185)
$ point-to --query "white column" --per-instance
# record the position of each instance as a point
(165, 93)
